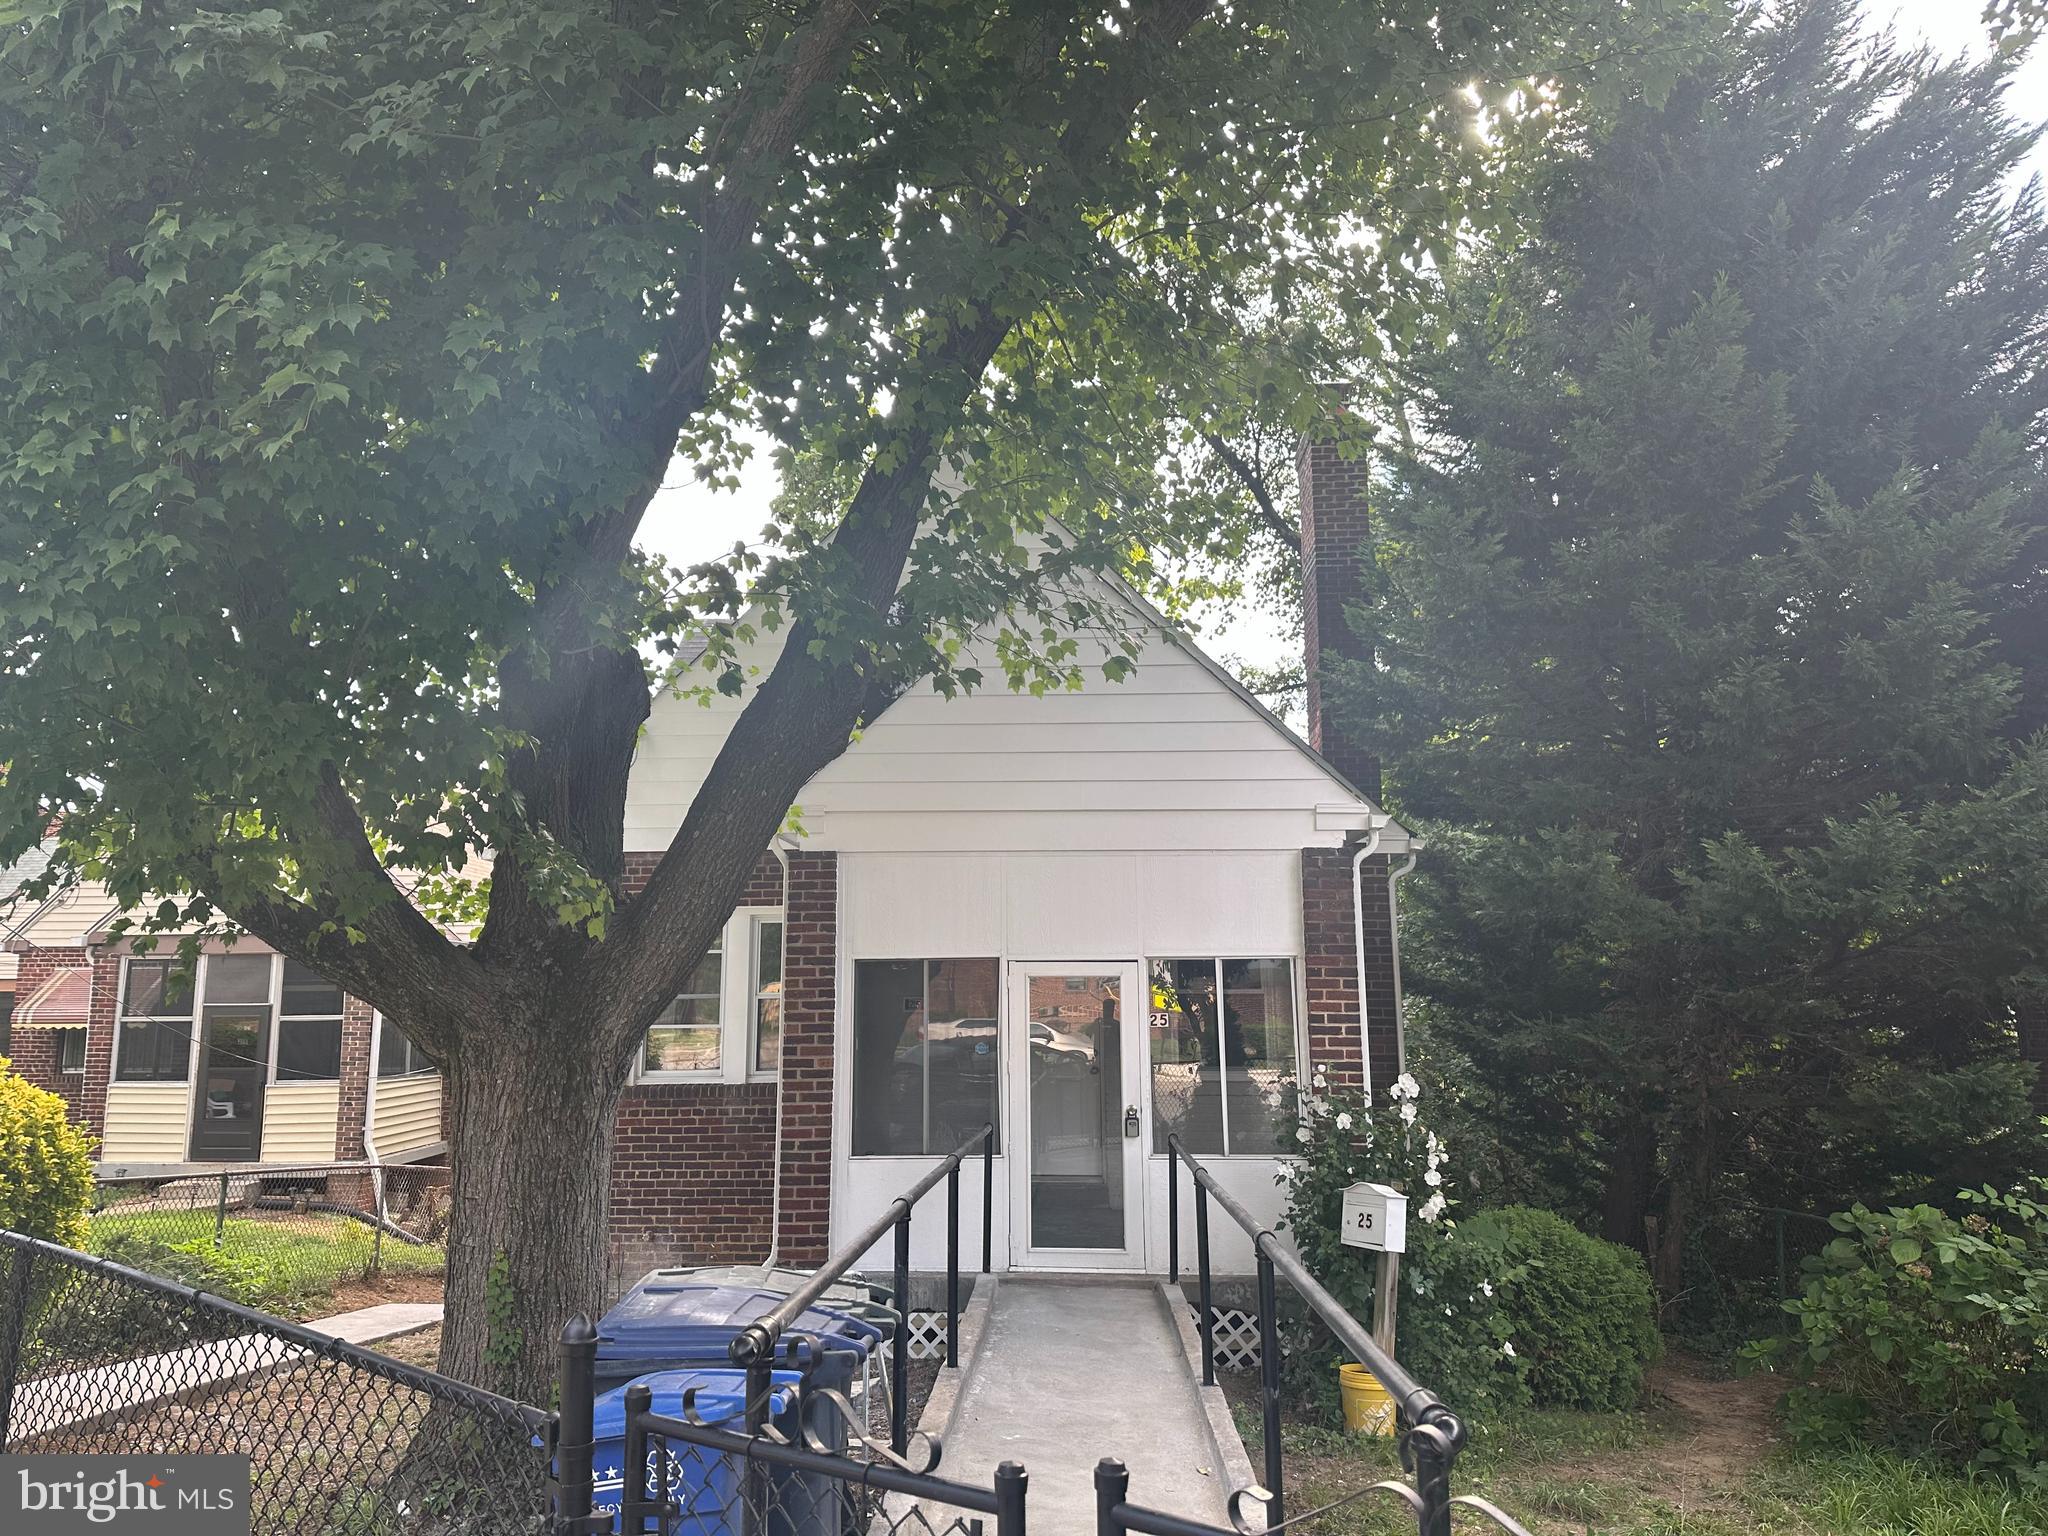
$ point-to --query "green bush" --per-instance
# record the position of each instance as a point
(1580, 1310)
(45, 1163)
(1924, 1329)
(1450, 1331)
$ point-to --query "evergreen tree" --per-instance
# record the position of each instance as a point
(1708, 614)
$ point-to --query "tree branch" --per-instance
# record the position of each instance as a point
(1249, 477)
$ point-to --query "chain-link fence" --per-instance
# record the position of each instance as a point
(281, 1238)
(99, 1358)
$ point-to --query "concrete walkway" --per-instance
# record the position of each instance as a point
(1070, 1372)
(51, 1403)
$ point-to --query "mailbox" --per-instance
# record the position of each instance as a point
(1375, 1217)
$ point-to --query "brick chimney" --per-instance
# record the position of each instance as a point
(1335, 524)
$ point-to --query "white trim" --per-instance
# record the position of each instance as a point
(756, 916)
(735, 1007)
(1134, 1061)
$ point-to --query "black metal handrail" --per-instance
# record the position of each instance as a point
(753, 1347)
(1435, 1434)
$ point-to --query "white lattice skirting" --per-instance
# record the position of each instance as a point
(927, 1335)
(1237, 1338)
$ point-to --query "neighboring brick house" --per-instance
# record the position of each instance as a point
(250, 1059)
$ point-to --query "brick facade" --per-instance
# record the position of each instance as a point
(693, 1174)
(358, 1021)
(1330, 961)
(1336, 522)
(810, 988)
(693, 1164)
(35, 1051)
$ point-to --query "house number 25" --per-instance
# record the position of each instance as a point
(1364, 1222)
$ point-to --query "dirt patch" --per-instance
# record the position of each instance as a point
(354, 1295)
(422, 1349)
(1721, 1427)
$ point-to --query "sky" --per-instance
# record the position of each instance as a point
(688, 522)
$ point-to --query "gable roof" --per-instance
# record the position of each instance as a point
(1179, 756)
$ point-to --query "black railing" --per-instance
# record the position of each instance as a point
(1430, 1441)
(754, 1347)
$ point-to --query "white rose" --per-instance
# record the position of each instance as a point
(1432, 1208)
(1407, 1114)
(1507, 1348)
(1486, 1286)
(1301, 1135)
(1343, 1120)
(1431, 1177)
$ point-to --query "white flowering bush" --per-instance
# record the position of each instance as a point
(1450, 1329)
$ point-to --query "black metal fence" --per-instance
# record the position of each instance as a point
(281, 1238)
(96, 1357)
(1431, 1434)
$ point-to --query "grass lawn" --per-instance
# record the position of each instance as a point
(299, 1254)
(1698, 1460)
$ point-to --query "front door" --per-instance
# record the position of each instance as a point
(234, 1062)
(1077, 1194)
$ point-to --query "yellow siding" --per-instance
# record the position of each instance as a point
(147, 1123)
(298, 1122)
(407, 1114)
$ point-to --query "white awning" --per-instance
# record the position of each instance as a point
(62, 1002)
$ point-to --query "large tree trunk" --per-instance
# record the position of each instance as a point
(531, 1110)
(1631, 1180)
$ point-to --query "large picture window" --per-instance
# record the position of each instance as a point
(155, 1036)
(924, 1054)
(1223, 1049)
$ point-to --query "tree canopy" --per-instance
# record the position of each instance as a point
(1708, 631)
(343, 345)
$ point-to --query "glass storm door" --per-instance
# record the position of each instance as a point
(1078, 1190)
(234, 1061)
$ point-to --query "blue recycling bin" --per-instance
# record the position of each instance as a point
(706, 1486)
(670, 1323)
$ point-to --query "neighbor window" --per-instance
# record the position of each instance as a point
(1223, 1075)
(685, 1039)
(397, 1055)
(767, 1009)
(155, 1035)
(71, 1050)
(924, 1054)
(308, 1026)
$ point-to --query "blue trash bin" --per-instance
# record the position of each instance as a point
(707, 1486)
(666, 1323)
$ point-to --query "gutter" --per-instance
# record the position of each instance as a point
(1366, 850)
(781, 853)
(370, 1113)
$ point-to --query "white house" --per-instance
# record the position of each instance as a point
(1089, 918)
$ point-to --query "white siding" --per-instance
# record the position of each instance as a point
(299, 1121)
(406, 1114)
(147, 1123)
(1171, 758)
(1054, 906)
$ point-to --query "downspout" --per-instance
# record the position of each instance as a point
(370, 1118)
(1394, 949)
(775, 1184)
(1366, 850)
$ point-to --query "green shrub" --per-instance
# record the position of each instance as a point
(1450, 1331)
(1924, 1329)
(1580, 1310)
(45, 1163)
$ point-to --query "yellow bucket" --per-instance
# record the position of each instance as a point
(1368, 1409)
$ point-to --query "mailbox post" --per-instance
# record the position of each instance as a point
(1376, 1220)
